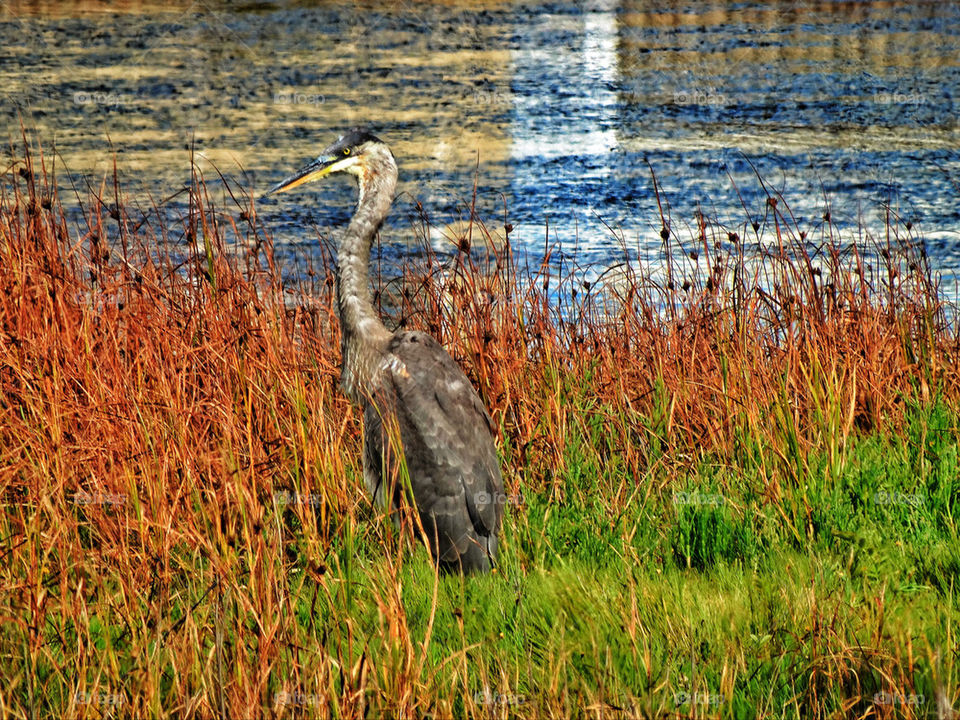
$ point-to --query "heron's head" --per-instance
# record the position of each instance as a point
(357, 152)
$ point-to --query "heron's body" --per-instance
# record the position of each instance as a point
(423, 420)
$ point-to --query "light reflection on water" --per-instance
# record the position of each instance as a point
(559, 111)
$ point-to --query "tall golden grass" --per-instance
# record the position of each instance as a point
(170, 414)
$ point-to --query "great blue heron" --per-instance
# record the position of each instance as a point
(410, 389)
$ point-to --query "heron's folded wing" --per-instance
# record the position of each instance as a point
(450, 425)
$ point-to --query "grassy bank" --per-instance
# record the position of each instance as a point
(733, 488)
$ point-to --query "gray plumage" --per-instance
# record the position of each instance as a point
(409, 386)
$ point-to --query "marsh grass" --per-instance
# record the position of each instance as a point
(733, 486)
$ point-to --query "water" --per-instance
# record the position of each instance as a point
(558, 112)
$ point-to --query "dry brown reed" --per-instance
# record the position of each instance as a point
(164, 402)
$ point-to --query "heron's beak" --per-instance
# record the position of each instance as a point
(323, 165)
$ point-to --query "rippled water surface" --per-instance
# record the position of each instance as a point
(559, 113)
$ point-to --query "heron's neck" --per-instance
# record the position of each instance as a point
(363, 335)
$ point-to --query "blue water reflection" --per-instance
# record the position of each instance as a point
(559, 113)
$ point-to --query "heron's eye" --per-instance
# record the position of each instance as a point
(346, 151)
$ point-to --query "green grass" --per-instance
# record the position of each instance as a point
(702, 593)
(705, 593)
